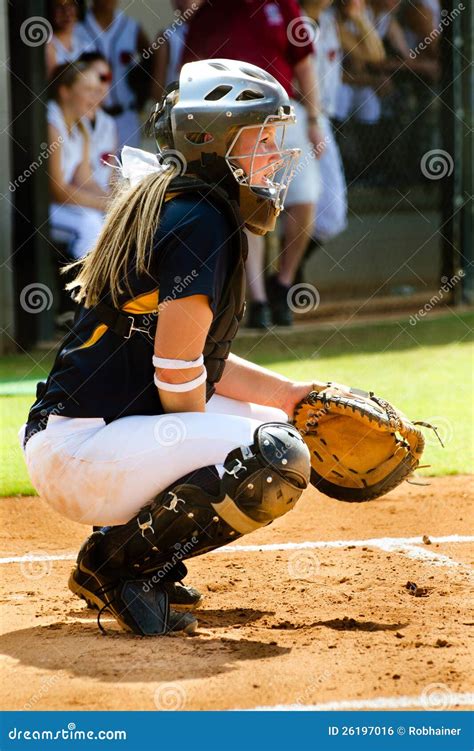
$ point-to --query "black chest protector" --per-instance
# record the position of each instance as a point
(230, 307)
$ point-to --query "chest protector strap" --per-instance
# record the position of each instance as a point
(230, 308)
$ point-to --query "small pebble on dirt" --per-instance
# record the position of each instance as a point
(415, 590)
(441, 643)
(396, 677)
(283, 625)
(426, 540)
(399, 635)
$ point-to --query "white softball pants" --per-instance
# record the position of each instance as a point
(100, 474)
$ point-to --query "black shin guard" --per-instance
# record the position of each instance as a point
(201, 512)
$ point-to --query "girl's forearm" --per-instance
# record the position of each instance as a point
(248, 382)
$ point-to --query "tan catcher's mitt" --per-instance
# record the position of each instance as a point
(361, 447)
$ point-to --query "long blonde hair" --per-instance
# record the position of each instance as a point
(129, 227)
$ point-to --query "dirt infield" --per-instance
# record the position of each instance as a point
(330, 624)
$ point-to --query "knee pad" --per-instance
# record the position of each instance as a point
(263, 481)
(202, 512)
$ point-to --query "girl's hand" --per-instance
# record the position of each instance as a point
(297, 391)
(317, 140)
(355, 9)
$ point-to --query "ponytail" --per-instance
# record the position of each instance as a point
(128, 231)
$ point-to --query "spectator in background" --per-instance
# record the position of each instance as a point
(358, 108)
(68, 41)
(78, 202)
(169, 47)
(362, 47)
(416, 70)
(273, 36)
(331, 215)
(383, 15)
(419, 19)
(401, 97)
(102, 128)
(119, 39)
(408, 25)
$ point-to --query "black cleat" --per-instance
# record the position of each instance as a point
(278, 297)
(258, 316)
(136, 606)
(180, 596)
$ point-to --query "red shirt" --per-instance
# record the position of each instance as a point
(267, 33)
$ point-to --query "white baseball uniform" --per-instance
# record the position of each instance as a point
(331, 211)
(118, 44)
(103, 143)
(79, 226)
(80, 44)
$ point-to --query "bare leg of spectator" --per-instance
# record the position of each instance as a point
(298, 224)
(259, 313)
(255, 267)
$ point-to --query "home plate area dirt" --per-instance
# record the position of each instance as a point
(334, 606)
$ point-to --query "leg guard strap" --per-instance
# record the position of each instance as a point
(202, 512)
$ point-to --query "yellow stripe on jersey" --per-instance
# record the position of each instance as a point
(145, 303)
(97, 334)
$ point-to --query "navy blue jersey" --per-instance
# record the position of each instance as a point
(100, 374)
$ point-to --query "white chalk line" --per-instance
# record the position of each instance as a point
(447, 701)
(404, 545)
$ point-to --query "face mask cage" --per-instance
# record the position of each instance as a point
(267, 167)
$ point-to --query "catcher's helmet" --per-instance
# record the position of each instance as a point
(199, 123)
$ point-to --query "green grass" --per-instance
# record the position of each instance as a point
(426, 370)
